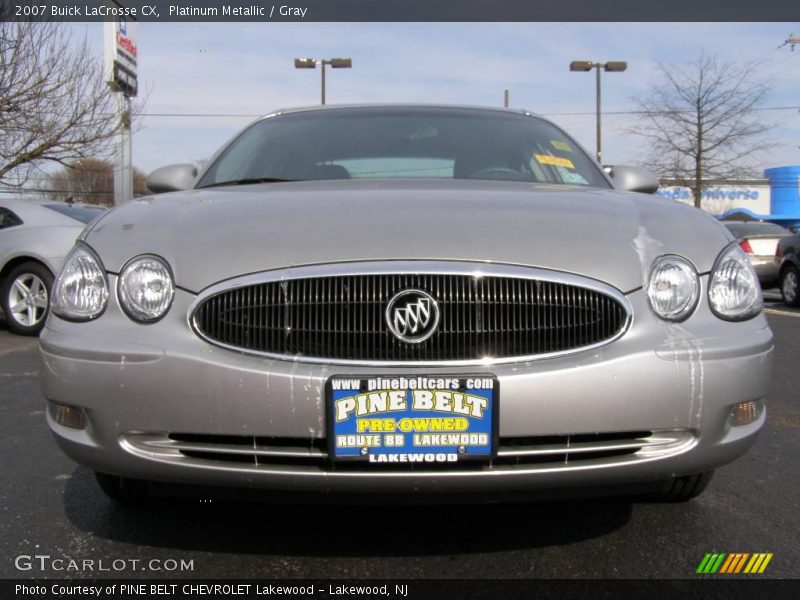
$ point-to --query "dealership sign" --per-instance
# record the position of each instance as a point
(121, 55)
(716, 193)
(721, 198)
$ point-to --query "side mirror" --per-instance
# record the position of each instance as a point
(172, 178)
(634, 179)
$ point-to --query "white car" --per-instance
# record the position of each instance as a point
(35, 236)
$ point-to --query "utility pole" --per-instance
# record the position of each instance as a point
(120, 66)
(123, 160)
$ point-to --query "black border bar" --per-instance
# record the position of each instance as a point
(730, 588)
(409, 10)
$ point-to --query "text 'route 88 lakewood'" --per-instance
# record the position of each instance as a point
(191, 590)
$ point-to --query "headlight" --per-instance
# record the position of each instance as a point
(674, 288)
(146, 288)
(733, 289)
(80, 292)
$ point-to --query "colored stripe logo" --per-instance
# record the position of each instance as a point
(734, 563)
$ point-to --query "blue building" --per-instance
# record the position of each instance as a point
(784, 209)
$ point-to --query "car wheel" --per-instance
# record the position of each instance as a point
(123, 489)
(681, 489)
(790, 286)
(26, 297)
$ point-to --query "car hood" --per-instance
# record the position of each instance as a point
(212, 234)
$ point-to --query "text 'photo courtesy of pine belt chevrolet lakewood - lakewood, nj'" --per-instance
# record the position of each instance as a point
(409, 301)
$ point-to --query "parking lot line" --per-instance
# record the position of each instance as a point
(786, 313)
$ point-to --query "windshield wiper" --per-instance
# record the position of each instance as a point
(248, 181)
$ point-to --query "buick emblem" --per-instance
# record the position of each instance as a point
(412, 316)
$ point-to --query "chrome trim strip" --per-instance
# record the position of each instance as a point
(660, 442)
(410, 267)
(652, 444)
(234, 449)
(135, 443)
(162, 444)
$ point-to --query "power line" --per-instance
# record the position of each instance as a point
(201, 115)
(656, 112)
(582, 113)
(611, 112)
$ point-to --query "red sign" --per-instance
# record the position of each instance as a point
(126, 43)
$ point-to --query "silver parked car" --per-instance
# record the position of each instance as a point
(35, 236)
(410, 301)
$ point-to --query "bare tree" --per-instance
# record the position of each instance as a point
(700, 122)
(54, 104)
(90, 180)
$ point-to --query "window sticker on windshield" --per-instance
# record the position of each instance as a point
(571, 176)
(556, 161)
(424, 133)
(561, 145)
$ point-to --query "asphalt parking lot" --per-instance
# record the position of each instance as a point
(49, 506)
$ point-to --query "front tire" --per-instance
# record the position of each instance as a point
(790, 286)
(683, 489)
(25, 297)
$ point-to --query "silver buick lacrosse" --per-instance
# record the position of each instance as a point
(412, 302)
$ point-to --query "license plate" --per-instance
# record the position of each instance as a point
(401, 420)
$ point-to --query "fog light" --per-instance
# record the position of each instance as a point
(69, 416)
(744, 413)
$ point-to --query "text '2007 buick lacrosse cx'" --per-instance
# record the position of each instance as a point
(411, 301)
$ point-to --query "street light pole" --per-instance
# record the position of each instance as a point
(322, 62)
(311, 63)
(599, 149)
(587, 65)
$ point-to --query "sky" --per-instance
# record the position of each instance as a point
(247, 69)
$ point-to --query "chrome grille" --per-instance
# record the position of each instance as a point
(342, 317)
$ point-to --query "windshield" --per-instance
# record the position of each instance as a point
(391, 143)
(745, 229)
(84, 214)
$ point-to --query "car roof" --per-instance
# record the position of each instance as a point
(465, 108)
(754, 226)
(6, 200)
(27, 201)
(412, 106)
(37, 209)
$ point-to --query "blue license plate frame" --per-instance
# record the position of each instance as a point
(439, 419)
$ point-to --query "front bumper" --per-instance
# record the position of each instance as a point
(140, 384)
